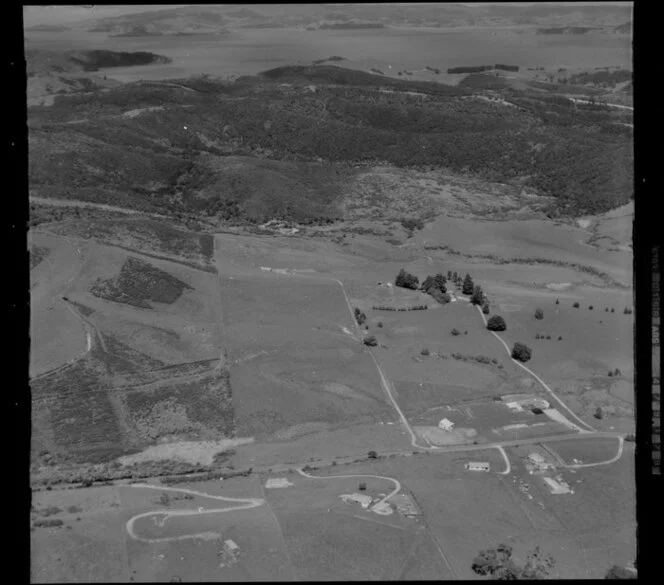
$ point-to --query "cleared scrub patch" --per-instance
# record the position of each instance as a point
(139, 283)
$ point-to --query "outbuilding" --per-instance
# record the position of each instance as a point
(478, 466)
(446, 424)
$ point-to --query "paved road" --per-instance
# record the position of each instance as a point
(247, 503)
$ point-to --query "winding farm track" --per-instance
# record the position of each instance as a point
(394, 492)
(246, 504)
(561, 462)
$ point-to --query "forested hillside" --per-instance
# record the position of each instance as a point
(282, 144)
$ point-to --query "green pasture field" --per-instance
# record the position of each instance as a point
(288, 388)
(593, 341)
(86, 550)
(524, 238)
(488, 418)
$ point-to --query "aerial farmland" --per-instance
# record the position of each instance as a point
(327, 322)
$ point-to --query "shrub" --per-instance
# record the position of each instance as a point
(412, 224)
(598, 413)
(613, 310)
(630, 437)
(616, 572)
(51, 523)
(539, 314)
(425, 351)
(576, 305)
(590, 308)
(372, 455)
(557, 302)
(548, 337)
(165, 499)
(362, 487)
(537, 335)
(560, 338)
(380, 324)
(370, 340)
(521, 352)
(407, 280)
(455, 332)
(485, 307)
(610, 373)
(496, 323)
(606, 309)
(465, 332)
(617, 372)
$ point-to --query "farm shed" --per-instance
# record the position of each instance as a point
(478, 466)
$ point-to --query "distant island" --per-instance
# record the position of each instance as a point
(351, 26)
(483, 68)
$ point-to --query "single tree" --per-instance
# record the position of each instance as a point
(455, 331)
(372, 455)
(370, 340)
(362, 487)
(496, 323)
(521, 352)
(617, 372)
(428, 284)
(539, 314)
(599, 415)
(425, 351)
(557, 302)
(468, 285)
(576, 305)
(590, 308)
(613, 310)
(477, 298)
(449, 275)
(485, 307)
(441, 283)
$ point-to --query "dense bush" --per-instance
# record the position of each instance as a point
(407, 280)
(496, 323)
(521, 352)
(360, 317)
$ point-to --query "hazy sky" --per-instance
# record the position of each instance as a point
(34, 15)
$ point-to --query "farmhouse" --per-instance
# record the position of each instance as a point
(446, 425)
(478, 466)
(557, 487)
(536, 463)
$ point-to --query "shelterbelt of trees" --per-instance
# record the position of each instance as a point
(283, 144)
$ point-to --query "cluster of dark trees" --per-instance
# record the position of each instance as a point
(497, 563)
(482, 68)
(360, 316)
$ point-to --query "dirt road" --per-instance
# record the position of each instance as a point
(247, 503)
